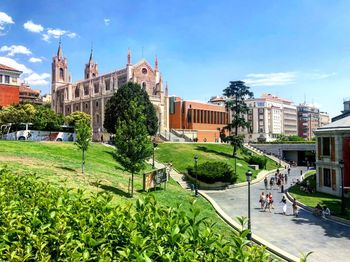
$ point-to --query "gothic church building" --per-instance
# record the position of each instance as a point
(91, 94)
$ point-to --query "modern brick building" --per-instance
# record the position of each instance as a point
(29, 95)
(9, 85)
(92, 93)
(308, 120)
(333, 145)
(197, 120)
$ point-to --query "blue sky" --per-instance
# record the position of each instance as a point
(293, 49)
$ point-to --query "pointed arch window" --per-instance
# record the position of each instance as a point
(77, 91)
(61, 74)
(144, 85)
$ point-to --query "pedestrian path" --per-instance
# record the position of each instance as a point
(328, 240)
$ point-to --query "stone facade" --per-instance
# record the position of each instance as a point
(91, 94)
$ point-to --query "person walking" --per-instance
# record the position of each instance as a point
(295, 208)
(265, 183)
(262, 200)
(288, 170)
(271, 182)
(284, 204)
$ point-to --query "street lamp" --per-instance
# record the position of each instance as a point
(154, 147)
(195, 168)
(341, 165)
(249, 175)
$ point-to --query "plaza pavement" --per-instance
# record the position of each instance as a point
(328, 240)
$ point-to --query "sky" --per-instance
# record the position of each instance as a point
(299, 50)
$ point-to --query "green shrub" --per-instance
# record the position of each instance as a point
(211, 172)
(39, 222)
(257, 160)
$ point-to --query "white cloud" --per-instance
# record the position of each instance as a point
(107, 21)
(5, 20)
(28, 76)
(57, 33)
(319, 75)
(37, 79)
(271, 79)
(71, 35)
(15, 49)
(14, 64)
(35, 60)
(30, 26)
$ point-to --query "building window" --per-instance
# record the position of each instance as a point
(0, 78)
(7, 79)
(107, 84)
(61, 74)
(144, 85)
(96, 103)
(97, 119)
(327, 177)
(326, 146)
(86, 105)
(96, 88)
(77, 92)
(86, 90)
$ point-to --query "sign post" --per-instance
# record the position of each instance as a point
(154, 178)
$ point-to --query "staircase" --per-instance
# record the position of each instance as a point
(169, 136)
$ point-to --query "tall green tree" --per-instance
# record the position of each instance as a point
(237, 92)
(74, 117)
(46, 119)
(84, 136)
(132, 140)
(120, 102)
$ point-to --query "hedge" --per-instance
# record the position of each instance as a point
(211, 172)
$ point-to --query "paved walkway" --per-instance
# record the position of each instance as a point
(330, 241)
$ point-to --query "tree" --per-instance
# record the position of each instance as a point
(15, 114)
(132, 139)
(46, 119)
(84, 135)
(74, 117)
(237, 92)
(120, 102)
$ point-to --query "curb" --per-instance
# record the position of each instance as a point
(269, 246)
(310, 209)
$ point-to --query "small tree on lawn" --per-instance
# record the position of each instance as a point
(237, 92)
(132, 140)
(84, 135)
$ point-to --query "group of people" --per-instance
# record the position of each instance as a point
(279, 180)
(266, 203)
(322, 211)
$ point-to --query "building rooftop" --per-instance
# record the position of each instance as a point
(4, 67)
(341, 124)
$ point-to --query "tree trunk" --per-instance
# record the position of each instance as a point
(132, 184)
(83, 162)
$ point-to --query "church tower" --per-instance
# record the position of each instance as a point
(91, 69)
(59, 68)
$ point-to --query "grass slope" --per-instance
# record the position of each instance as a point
(60, 163)
(182, 156)
(311, 200)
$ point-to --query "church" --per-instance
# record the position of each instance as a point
(92, 93)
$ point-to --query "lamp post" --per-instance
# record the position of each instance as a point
(249, 178)
(154, 147)
(341, 165)
(195, 168)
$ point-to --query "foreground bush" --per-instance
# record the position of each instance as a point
(258, 160)
(211, 172)
(39, 222)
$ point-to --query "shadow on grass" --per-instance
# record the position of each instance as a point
(111, 189)
(205, 149)
(66, 168)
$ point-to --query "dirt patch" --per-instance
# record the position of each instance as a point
(23, 160)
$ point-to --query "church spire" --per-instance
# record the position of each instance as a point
(91, 56)
(156, 63)
(59, 51)
(129, 57)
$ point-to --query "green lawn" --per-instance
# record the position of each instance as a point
(312, 199)
(182, 156)
(60, 163)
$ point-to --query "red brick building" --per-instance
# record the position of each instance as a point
(9, 85)
(199, 120)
